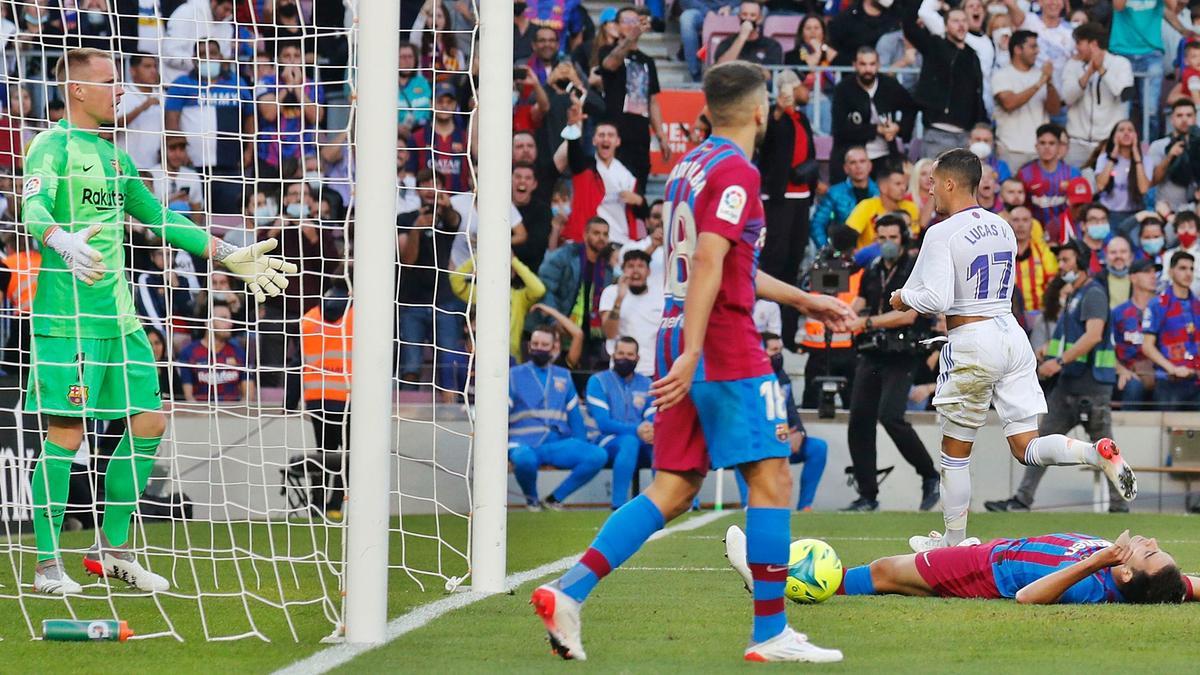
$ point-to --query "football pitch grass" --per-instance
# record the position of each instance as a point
(676, 606)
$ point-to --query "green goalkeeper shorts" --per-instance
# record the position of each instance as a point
(102, 378)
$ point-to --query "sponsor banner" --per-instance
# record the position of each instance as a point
(680, 108)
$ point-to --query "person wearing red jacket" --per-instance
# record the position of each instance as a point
(787, 161)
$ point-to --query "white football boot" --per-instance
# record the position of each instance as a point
(921, 544)
(51, 578)
(560, 613)
(1117, 470)
(122, 564)
(735, 553)
(791, 646)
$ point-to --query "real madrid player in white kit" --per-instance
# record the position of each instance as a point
(965, 271)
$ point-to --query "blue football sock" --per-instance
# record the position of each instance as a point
(622, 535)
(768, 539)
(858, 581)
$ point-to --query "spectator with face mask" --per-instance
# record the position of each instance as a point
(983, 145)
(1150, 238)
(1118, 257)
(192, 22)
(622, 409)
(208, 105)
(1187, 225)
(1095, 231)
(546, 426)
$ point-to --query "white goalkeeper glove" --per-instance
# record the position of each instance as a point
(85, 262)
(263, 274)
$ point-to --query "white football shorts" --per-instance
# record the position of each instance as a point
(985, 363)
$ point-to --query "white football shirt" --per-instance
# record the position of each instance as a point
(965, 267)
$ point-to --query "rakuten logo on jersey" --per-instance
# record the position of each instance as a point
(103, 200)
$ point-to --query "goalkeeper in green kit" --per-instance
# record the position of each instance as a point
(90, 355)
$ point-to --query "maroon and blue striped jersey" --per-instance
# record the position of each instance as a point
(1016, 563)
(1126, 322)
(1046, 193)
(715, 188)
(1173, 321)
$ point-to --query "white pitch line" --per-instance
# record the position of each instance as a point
(676, 569)
(328, 659)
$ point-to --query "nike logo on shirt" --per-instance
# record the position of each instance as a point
(89, 168)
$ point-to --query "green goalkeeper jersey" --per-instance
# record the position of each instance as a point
(75, 179)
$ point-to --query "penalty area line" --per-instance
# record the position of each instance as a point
(332, 657)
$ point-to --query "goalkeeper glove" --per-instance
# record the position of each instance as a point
(85, 262)
(263, 274)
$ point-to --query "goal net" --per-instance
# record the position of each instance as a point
(241, 116)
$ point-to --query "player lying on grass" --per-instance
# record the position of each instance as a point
(1043, 570)
(90, 355)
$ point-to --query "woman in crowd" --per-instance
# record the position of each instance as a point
(1122, 178)
(812, 53)
(920, 181)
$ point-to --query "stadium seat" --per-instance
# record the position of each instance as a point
(716, 28)
(783, 29)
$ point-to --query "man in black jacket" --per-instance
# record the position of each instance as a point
(950, 87)
(888, 356)
(787, 161)
(870, 110)
(860, 26)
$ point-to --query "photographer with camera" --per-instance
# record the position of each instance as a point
(888, 355)
(831, 356)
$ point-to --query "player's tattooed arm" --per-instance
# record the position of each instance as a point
(220, 249)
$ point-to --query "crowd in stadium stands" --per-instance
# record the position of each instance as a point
(237, 110)
(1052, 97)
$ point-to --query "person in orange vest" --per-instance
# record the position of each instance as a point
(839, 358)
(325, 345)
(23, 261)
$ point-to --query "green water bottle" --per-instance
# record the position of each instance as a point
(72, 630)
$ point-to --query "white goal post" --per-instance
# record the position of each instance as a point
(374, 261)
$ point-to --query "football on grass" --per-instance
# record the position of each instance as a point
(814, 572)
